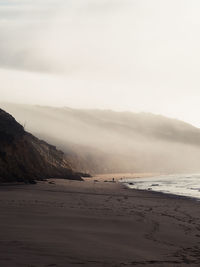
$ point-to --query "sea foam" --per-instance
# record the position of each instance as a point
(178, 184)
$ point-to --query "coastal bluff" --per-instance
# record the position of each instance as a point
(25, 158)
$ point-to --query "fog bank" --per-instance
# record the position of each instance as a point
(105, 141)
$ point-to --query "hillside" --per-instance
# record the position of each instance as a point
(25, 158)
(101, 141)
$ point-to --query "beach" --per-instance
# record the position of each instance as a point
(72, 223)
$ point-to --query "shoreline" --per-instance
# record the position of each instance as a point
(122, 181)
(150, 188)
(170, 195)
(72, 223)
(120, 176)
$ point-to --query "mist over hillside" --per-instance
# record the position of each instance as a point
(101, 141)
(24, 158)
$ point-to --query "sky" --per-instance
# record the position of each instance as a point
(125, 55)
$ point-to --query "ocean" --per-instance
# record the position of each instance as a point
(178, 184)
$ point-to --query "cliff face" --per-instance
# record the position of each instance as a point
(24, 157)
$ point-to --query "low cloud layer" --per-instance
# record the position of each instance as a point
(135, 55)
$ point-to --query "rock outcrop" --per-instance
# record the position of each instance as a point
(25, 158)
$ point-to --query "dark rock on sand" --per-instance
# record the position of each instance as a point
(25, 158)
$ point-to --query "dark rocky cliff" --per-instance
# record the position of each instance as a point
(24, 157)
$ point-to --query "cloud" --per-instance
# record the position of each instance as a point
(126, 38)
(59, 38)
(120, 54)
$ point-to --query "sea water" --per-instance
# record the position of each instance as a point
(178, 184)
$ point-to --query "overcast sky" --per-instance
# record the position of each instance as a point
(138, 55)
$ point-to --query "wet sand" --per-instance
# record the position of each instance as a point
(120, 176)
(74, 223)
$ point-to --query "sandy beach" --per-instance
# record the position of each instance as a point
(70, 223)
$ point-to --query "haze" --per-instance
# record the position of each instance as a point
(123, 55)
(96, 141)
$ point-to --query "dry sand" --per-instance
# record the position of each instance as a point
(74, 223)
